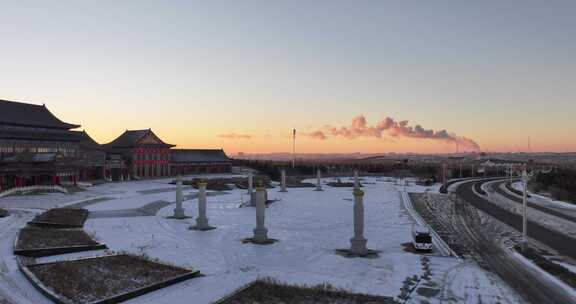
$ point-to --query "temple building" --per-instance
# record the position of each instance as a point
(137, 154)
(193, 161)
(93, 156)
(36, 148)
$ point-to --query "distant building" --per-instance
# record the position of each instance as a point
(137, 154)
(36, 148)
(192, 161)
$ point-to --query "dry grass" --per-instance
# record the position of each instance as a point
(34, 238)
(94, 279)
(62, 217)
(219, 184)
(270, 291)
(340, 184)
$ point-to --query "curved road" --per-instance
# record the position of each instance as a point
(562, 243)
(515, 198)
(529, 283)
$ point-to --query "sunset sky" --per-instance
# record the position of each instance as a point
(240, 75)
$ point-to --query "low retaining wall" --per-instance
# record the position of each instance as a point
(150, 288)
(437, 240)
(41, 252)
(33, 188)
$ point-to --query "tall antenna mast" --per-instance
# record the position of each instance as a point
(529, 146)
(293, 148)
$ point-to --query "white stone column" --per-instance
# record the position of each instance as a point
(179, 211)
(260, 232)
(318, 180)
(356, 181)
(283, 181)
(250, 183)
(358, 242)
(202, 220)
(251, 192)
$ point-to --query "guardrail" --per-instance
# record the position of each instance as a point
(51, 188)
(437, 240)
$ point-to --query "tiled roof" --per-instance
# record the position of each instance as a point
(130, 138)
(87, 142)
(199, 156)
(17, 133)
(25, 114)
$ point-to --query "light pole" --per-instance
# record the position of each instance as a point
(524, 211)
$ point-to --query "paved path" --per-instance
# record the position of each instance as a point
(147, 210)
(10, 290)
(90, 202)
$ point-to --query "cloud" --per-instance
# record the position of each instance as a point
(359, 127)
(235, 136)
(316, 135)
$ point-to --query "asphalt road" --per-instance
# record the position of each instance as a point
(516, 199)
(530, 284)
(562, 243)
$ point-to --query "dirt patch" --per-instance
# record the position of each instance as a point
(296, 182)
(339, 184)
(242, 182)
(219, 184)
(62, 217)
(94, 279)
(34, 238)
(427, 292)
(271, 292)
(408, 247)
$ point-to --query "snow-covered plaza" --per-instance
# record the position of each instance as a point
(309, 226)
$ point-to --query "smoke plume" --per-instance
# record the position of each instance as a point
(359, 127)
